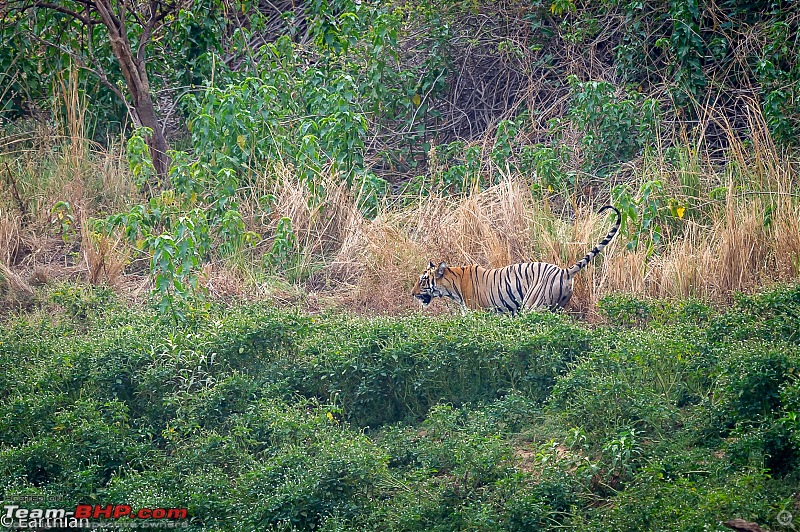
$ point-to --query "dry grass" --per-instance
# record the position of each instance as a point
(750, 239)
(15, 283)
(379, 260)
(371, 265)
(10, 237)
(105, 256)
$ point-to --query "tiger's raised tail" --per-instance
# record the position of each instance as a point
(599, 247)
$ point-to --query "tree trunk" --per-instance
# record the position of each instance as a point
(134, 70)
(156, 142)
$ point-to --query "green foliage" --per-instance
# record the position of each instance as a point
(176, 228)
(694, 500)
(648, 214)
(640, 384)
(308, 109)
(284, 245)
(687, 45)
(547, 164)
(176, 235)
(254, 417)
(63, 220)
(614, 129)
(453, 168)
(37, 45)
(778, 70)
(175, 262)
(399, 370)
(627, 310)
(138, 155)
(79, 302)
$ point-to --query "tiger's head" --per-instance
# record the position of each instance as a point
(427, 288)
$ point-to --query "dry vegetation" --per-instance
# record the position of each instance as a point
(746, 240)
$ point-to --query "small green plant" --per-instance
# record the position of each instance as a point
(63, 220)
(138, 155)
(622, 453)
(177, 240)
(547, 164)
(284, 246)
(646, 215)
(175, 265)
(625, 310)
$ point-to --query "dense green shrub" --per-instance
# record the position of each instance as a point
(253, 417)
(386, 370)
(632, 379)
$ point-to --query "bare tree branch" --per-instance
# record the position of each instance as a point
(85, 19)
(147, 30)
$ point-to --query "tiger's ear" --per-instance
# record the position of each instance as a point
(440, 271)
(431, 265)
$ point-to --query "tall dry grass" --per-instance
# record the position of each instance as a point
(749, 238)
(379, 260)
(47, 160)
(742, 242)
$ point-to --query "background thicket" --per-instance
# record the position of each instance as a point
(325, 148)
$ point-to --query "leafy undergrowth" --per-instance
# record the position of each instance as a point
(674, 416)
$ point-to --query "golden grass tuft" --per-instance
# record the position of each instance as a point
(105, 256)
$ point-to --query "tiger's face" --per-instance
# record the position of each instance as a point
(427, 288)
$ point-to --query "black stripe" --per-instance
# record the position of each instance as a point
(491, 290)
(475, 287)
(457, 286)
(520, 295)
(487, 288)
(549, 284)
(503, 286)
(510, 290)
(537, 271)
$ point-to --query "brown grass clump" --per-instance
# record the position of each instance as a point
(14, 291)
(10, 237)
(105, 256)
(379, 260)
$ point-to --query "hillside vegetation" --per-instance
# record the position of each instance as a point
(256, 418)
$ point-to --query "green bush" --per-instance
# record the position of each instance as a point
(381, 370)
(634, 379)
(254, 417)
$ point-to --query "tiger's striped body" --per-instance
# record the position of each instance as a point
(514, 288)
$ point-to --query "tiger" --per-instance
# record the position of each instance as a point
(511, 289)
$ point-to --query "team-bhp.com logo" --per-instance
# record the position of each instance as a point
(86, 516)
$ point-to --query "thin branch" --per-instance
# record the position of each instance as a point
(85, 19)
(147, 30)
